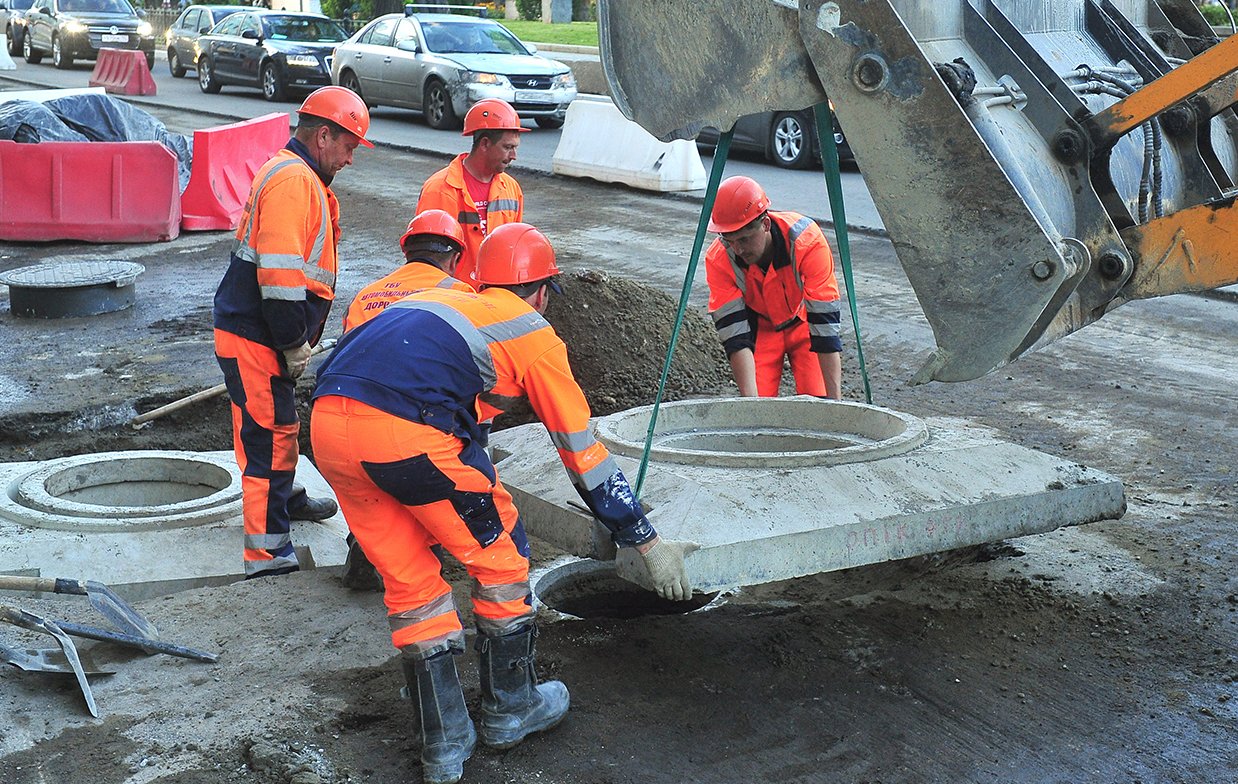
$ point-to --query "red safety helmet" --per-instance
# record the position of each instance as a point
(436, 223)
(492, 114)
(740, 201)
(342, 107)
(515, 253)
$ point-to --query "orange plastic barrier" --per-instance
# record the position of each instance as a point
(92, 191)
(224, 162)
(123, 72)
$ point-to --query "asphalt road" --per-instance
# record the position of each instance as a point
(800, 191)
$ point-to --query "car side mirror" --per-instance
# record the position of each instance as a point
(141, 12)
(4, 6)
(204, 29)
(251, 35)
(408, 45)
(45, 11)
(531, 47)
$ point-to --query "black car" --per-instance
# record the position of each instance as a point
(71, 29)
(12, 11)
(182, 36)
(789, 139)
(274, 51)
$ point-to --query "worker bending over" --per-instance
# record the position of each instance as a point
(396, 429)
(772, 294)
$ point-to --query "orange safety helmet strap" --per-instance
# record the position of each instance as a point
(740, 201)
(342, 107)
(513, 254)
(492, 114)
(436, 223)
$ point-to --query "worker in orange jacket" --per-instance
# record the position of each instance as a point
(396, 429)
(475, 186)
(270, 309)
(772, 294)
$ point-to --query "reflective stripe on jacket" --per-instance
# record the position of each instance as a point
(281, 278)
(798, 286)
(413, 276)
(446, 190)
(433, 355)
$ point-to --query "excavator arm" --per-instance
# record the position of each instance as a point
(1036, 162)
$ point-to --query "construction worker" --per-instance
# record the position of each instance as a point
(772, 294)
(475, 186)
(270, 309)
(396, 431)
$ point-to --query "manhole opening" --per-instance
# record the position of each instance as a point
(138, 482)
(600, 593)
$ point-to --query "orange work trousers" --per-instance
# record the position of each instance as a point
(264, 435)
(403, 486)
(771, 350)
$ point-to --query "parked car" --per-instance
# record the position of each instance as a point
(182, 36)
(789, 139)
(73, 29)
(276, 51)
(11, 11)
(444, 63)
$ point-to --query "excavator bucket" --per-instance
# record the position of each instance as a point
(1036, 162)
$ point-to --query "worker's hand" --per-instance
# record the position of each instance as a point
(297, 359)
(664, 560)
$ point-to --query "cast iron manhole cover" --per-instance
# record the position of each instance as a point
(72, 288)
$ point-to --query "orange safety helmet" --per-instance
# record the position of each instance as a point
(740, 201)
(492, 114)
(436, 223)
(342, 107)
(516, 253)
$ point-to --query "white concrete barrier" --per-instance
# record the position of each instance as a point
(600, 143)
(6, 62)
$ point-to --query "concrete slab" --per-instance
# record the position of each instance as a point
(144, 523)
(777, 488)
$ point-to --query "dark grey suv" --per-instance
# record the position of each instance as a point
(70, 29)
(182, 36)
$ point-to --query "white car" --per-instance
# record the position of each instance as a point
(442, 64)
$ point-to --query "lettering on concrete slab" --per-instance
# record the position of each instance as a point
(946, 529)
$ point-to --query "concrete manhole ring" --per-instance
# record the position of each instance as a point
(125, 491)
(784, 432)
(592, 589)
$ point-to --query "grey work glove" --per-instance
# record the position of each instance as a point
(297, 359)
(664, 560)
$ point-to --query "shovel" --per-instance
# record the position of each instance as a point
(114, 608)
(48, 660)
(35, 623)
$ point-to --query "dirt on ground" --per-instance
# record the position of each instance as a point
(1102, 653)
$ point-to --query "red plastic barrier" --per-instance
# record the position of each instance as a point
(123, 72)
(225, 160)
(92, 191)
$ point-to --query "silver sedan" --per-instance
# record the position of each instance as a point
(441, 64)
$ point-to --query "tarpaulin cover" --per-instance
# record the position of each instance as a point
(97, 118)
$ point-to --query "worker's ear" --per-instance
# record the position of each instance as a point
(454, 263)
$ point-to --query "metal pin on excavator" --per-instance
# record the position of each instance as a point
(1036, 163)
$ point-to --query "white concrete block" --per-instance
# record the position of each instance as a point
(40, 96)
(600, 143)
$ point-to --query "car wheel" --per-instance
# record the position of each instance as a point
(548, 122)
(31, 55)
(272, 83)
(174, 63)
(60, 58)
(13, 42)
(206, 76)
(790, 141)
(349, 81)
(438, 109)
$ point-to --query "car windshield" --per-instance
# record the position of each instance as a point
(97, 6)
(20, 5)
(470, 38)
(303, 29)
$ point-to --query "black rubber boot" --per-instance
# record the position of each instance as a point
(302, 507)
(447, 733)
(513, 704)
(359, 574)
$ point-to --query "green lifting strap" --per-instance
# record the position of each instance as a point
(702, 227)
(834, 186)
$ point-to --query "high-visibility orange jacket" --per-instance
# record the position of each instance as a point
(474, 354)
(413, 276)
(280, 282)
(446, 190)
(798, 286)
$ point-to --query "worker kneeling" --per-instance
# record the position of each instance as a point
(397, 431)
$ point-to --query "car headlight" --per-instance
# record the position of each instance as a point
(564, 80)
(145, 29)
(74, 26)
(489, 78)
(303, 60)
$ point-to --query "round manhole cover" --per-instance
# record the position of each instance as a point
(76, 288)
